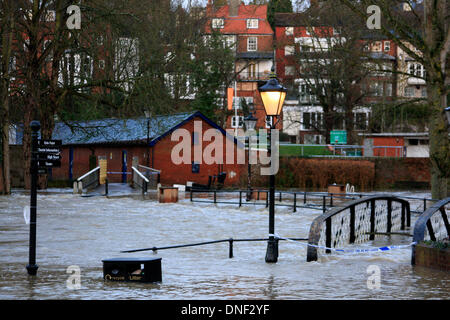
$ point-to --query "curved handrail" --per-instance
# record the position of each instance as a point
(149, 169)
(89, 180)
(140, 174)
(425, 224)
(87, 174)
(355, 231)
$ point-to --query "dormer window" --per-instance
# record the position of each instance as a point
(218, 23)
(252, 23)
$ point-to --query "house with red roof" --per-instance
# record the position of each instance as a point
(247, 31)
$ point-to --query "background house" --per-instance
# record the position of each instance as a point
(245, 29)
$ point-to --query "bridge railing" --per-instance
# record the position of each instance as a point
(432, 225)
(139, 180)
(90, 180)
(359, 221)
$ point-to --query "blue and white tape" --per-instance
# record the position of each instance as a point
(360, 250)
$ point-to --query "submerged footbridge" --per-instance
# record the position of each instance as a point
(360, 221)
(95, 182)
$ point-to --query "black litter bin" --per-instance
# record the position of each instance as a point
(132, 269)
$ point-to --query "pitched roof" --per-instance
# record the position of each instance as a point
(238, 24)
(114, 131)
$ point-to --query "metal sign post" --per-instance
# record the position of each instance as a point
(32, 267)
(44, 154)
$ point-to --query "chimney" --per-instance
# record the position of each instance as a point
(234, 7)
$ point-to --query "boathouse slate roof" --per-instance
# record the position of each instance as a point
(114, 131)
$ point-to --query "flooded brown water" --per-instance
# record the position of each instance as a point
(72, 230)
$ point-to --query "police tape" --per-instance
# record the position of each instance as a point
(359, 250)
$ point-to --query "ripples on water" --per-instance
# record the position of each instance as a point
(82, 231)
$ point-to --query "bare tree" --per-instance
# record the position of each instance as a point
(421, 29)
(6, 69)
(333, 69)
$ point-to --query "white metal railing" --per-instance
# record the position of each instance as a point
(88, 180)
(153, 175)
(140, 180)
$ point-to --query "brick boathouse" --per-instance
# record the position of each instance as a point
(123, 143)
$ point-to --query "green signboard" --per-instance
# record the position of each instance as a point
(338, 137)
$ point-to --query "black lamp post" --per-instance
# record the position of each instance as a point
(447, 112)
(273, 95)
(148, 115)
(32, 267)
(250, 124)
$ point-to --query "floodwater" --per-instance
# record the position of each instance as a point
(76, 231)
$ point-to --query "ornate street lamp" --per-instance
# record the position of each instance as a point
(273, 95)
(250, 124)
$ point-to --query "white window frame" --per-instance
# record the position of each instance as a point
(387, 46)
(250, 46)
(218, 23)
(289, 70)
(230, 41)
(101, 64)
(377, 45)
(416, 69)
(239, 124)
(289, 31)
(289, 50)
(252, 23)
(50, 16)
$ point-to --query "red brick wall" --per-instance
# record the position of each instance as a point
(265, 43)
(180, 174)
(389, 142)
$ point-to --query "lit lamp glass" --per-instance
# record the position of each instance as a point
(273, 95)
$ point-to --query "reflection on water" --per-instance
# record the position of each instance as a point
(82, 231)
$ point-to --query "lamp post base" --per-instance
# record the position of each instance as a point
(272, 251)
(32, 269)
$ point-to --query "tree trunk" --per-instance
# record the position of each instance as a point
(439, 143)
(5, 150)
(7, 38)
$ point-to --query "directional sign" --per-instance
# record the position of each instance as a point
(48, 150)
(50, 143)
(48, 156)
(49, 163)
